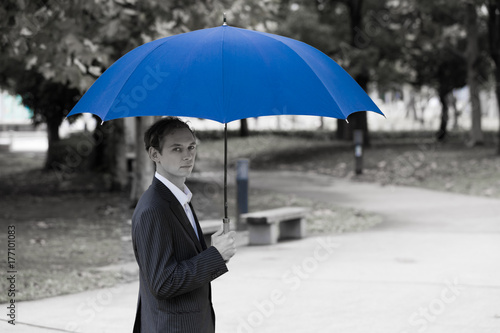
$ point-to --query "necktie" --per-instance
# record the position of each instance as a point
(190, 216)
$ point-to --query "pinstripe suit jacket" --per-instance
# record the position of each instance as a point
(175, 267)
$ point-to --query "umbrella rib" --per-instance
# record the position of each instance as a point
(135, 69)
(268, 35)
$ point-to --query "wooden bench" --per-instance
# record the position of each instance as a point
(268, 226)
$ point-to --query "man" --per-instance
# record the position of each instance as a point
(176, 267)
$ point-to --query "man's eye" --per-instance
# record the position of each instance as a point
(192, 147)
(177, 149)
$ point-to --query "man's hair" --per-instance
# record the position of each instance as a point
(155, 134)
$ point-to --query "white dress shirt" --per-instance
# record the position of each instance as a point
(183, 197)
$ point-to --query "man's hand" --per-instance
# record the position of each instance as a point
(224, 243)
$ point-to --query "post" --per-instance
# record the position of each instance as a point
(242, 168)
(358, 151)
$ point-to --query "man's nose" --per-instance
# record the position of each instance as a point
(188, 155)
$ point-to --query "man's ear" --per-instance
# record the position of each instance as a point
(154, 154)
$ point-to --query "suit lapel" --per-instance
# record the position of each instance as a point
(179, 212)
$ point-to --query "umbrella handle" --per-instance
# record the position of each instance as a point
(225, 225)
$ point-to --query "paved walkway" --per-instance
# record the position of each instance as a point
(432, 266)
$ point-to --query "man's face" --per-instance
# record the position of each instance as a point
(178, 154)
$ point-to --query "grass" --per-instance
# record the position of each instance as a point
(324, 218)
(391, 160)
(67, 230)
(61, 240)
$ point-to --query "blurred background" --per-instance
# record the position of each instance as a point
(433, 68)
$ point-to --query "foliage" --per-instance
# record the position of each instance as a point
(70, 43)
(436, 48)
(372, 43)
(52, 49)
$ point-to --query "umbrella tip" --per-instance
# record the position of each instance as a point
(224, 22)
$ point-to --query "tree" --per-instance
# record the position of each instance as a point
(61, 47)
(494, 43)
(435, 47)
(143, 166)
(476, 133)
(50, 100)
(67, 45)
(366, 41)
(357, 120)
(351, 48)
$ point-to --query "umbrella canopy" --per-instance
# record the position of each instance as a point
(224, 74)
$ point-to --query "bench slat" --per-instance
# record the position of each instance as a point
(267, 226)
(275, 215)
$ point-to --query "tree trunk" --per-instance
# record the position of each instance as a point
(143, 167)
(100, 137)
(452, 102)
(442, 132)
(110, 153)
(476, 133)
(359, 120)
(409, 102)
(356, 120)
(494, 42)
(52, 138)
(356, 18)
(117, 157)
(341, 133)
(498, 103)
(344, 129)
(244, 128)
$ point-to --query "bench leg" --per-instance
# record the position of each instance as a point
(293, 229)
(263, 234)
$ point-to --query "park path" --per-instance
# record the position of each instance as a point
(432, 265)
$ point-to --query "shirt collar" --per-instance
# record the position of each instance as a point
(182, 197)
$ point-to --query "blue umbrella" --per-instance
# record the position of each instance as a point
(224, 74)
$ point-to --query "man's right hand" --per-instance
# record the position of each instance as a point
(224, 243)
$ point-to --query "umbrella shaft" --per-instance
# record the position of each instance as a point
(225, 170)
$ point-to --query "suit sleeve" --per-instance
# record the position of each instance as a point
(165, 276)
